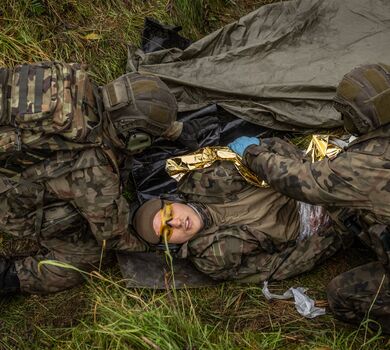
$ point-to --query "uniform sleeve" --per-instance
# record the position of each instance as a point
(232, 258)
(231, 255)
(283, 167)
(95, 193)
(213, 184)
(225, 260)
(377, 236)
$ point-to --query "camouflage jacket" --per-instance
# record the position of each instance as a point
(356, 181)
(252, 228)
(87, 180)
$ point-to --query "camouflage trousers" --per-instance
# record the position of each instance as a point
(36, 275)
(61, 232)
(362, 292)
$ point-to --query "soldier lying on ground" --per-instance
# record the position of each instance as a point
(61, 186)
(356, 184)
(232, 230)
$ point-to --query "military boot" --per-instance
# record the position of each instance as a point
(9, 281)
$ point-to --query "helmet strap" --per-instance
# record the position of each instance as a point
(138, 141)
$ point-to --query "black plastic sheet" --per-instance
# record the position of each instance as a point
(148, 168)
(157, 36)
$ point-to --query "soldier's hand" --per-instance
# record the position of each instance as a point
(240, 144)
(194, 129)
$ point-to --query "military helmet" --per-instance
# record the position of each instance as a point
(140, 102)
(363, 98)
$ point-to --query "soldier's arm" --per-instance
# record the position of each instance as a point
(95, 193)
(226, 259)
(287, 171)
(233, 255)
(232, 258)
(213, 184)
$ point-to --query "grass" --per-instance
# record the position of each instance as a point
(102, 314)
(97, 32)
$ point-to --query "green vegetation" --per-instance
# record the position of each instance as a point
(97, 31)
(102, 314)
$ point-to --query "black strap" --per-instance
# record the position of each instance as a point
(97, 129)
(350, 219)
(39, 213)
(385, 238)
(4, 97)
(3, 76)
(39, 74)
(23, 88)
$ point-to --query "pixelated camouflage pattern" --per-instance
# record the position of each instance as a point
(254, 233)
(236, 253)
(357, 179)
(52, 98)
(94, 212)
(363, 292)
(363, 98)
(46, 107)
(355, 184)
(215, 184)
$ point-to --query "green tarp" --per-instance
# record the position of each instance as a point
(279, 65)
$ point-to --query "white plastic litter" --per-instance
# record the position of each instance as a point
(303, 304)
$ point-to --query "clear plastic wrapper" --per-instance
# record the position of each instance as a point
(303, 304)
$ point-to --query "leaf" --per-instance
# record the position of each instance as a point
(92, 36)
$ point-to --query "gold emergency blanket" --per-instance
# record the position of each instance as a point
(177, 167)
(319, 148)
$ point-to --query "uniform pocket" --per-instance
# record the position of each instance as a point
(85, 116)
(53, 98)
(117, 94)
(63, 216)
(35, 93)
(9, 141)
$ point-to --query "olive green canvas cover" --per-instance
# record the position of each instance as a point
(278, 66)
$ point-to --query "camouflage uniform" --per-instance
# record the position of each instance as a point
(355, 185)
(250, 234)
(70, 203)
(60, 182)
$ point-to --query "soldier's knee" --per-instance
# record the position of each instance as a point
(49, 279)
(336, 294)
(341, 299)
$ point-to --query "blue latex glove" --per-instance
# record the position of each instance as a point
(241, 143)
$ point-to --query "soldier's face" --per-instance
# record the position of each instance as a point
(185, 223)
